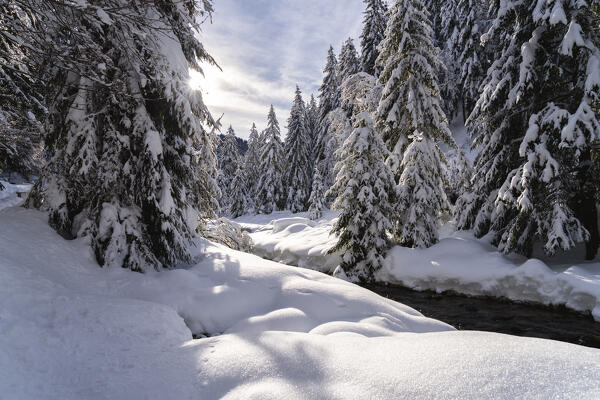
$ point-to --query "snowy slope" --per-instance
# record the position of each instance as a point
(458, 262)
(71, 330)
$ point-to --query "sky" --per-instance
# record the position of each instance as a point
(265, 48)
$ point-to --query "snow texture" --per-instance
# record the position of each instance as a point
(71, 330)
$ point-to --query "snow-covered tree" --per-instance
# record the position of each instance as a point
(270, 195)
(21, 97)
(228, 161)
(329, 100)
(536, 174)
(448, 42)
(374, 23)
(311, 120)
(132, 163)
(239, 194)
(366, 194)
(317, 196)
(412, 122)
(348, 63)
(298, 148)
(469, 53)
(252, 165)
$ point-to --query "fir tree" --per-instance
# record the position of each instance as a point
(21, 95)
(229, 160)
(131, 162)
(239, 194)
(270, 193)
(449, 72)
(469, 53)
(366, 193)
(373, 33)
(311, 120)
(252, 165)
(329, 100)
(297, 175)
(317, 196)
(535, 175)
(348, 64)
(412, 121)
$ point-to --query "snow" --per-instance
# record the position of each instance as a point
(459, 262)
(71, 330)
(8, 196)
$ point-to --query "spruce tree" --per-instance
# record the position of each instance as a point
(348, 64)
(239, 194)
(229, 160)
(317, 196)
(469, 53)
(449, 72)
(374, 24)
(329, 100)
(21, 94)
(536, 174)
(366, 189)
(297, 175)
(270, 192)
(252, 165)
(311, 120)
(412, 122)
(132, 160)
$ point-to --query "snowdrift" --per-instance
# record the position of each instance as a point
(459, 262)
(71, 330)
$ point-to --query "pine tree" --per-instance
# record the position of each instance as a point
(270, 193)
(311, 120)
(366, 190)
(297, 175)
(252, 165)
(469, 53)
(373, 33)
(229, 160)
(535, 175)
(317, 196)
(412, 122)
(131, 162)
(21, 97)
(329, 100)
(239, 194)
(449, 73)
(348, 64)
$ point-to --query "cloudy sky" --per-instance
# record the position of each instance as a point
(265, 48)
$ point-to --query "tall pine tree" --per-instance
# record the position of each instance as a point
(374, 24)
(270, 193)
(131, 148)
(366, 194)
(412, 122)
(348, 62)
(252, 165)
(535, 176)
(297, 175)
(229, 160)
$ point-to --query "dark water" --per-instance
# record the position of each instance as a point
(498, 315)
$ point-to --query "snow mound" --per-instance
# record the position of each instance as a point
(280, 225)
(71, 330)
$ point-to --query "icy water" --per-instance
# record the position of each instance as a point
(498, 315)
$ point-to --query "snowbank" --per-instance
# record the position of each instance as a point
(293, 240)
(8, 195)
(459, 262)
(71, 330)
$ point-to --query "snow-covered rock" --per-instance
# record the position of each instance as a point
(71, 330)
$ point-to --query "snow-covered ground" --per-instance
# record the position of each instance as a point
(458, 262)
(71, 330)
(8, 195)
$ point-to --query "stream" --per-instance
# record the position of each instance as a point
(498, 315)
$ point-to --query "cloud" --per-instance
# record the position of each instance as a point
(265, 48)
